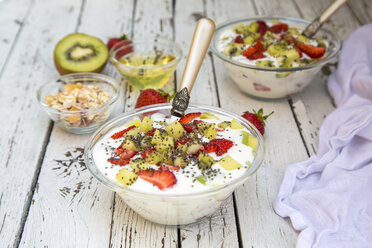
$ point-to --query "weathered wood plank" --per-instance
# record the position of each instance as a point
(25, 128)
(314, 103)
(259, 225)
(12, 16)
(219, 230)
(152, 18)
(362, 10)
(70, 208)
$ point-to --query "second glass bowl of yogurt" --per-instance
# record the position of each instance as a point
(263, 76)
(191, 191)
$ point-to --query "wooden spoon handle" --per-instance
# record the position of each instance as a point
(201, 39)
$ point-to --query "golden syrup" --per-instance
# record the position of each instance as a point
(147, 70)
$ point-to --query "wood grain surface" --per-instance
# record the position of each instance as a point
(47, 196)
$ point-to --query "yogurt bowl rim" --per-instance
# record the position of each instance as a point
(288, 20)
(90, 164)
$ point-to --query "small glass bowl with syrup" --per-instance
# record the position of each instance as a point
(148, 63)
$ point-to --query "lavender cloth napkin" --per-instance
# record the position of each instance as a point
(329, 197)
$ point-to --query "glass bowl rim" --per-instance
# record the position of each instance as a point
(288, 20)
(88, 156)
(111, 81)
(162, 41)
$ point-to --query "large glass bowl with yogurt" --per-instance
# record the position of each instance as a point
(179, 205)
(272, 82)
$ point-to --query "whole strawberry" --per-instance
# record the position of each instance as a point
(152, 96)
(113, 41)
(257, 119)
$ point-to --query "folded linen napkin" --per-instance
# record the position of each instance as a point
(329, 197)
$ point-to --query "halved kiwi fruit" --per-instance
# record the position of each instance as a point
(79, 52)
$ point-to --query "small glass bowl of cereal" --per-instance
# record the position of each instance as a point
(80, 102)
(269, 58)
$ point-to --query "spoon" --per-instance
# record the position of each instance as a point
(313, 27)
(201, 39)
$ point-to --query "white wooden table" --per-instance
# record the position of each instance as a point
(49, 199)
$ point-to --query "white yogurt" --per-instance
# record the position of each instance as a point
(186, 182)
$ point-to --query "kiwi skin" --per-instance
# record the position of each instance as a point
(63, 71)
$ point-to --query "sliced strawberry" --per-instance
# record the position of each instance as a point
(121, 133)
(249, 51)
(127, 154)
(181, 142)
(223, 145)
(312, 51)
(219, 129)
(209, 147)
(151, 132)
(190, 128)
(119, 149)
(259, 47)
(162, 179)
(169, 167)
(196, 122)
(147, 151)
(239, 39)
(255, 52)
(279, 27)
(189, 117)
(260, 87)
(289, 38)
(118, 161)
(257, 56)
(262, 27)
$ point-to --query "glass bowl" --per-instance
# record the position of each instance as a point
(271, 82)
(146, 64)
(80, 121)
(172, 209)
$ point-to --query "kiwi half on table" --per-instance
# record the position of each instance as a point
(79, 52)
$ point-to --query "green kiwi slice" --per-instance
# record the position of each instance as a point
(79, 52)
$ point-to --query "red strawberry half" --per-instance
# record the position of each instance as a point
(239, 39)
(262, 27)
(189, 117)
(223, 145)
(152, 96)
(121, 133)
(127, 154)
(312, 51)
(257, 119)
(279, 27)
(162, 179)
(209, 147)
(147, 151)
(190, 128)
(118, 161)
(255, 52)
(169, 167)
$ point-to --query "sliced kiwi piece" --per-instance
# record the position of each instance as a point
(79, 52)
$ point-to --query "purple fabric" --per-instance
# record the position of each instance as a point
(329, 197)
